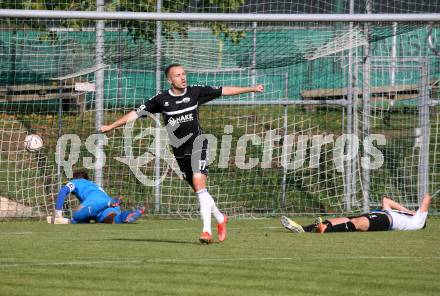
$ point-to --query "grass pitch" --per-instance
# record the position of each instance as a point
(259, 257)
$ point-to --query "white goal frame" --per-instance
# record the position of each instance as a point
(221, 17)
(101, 16)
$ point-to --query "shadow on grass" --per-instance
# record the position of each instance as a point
(152, 240)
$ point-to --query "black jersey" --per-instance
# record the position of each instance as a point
(182, 109)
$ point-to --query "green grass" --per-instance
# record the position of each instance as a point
(163, 257)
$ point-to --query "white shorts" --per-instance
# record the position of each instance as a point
(407, 222)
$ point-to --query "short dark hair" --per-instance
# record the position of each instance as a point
(167, 69)
(80, 175)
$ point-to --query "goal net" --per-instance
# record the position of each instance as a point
(299, 147)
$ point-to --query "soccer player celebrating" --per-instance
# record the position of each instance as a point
(95, 205)
(179, 107)
(393, 216)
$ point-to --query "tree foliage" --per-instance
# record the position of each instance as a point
(139, 30)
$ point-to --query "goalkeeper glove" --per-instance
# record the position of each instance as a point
(61, 221)
(57, 220)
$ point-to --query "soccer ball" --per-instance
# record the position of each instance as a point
(33, 143)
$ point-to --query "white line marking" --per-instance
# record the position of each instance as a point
(187, 260)
(128, 229)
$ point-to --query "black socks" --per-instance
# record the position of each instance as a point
(343, 227)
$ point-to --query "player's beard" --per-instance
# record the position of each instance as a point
(181, 88)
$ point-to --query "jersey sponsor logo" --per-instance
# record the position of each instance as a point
(172, 121)
(140, 108)
(184, 100)
(184, 118)
(166, 104)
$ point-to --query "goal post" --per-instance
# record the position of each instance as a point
(219, 17)
(347, 114)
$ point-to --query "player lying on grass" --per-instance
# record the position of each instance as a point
(95, 205)
(393, 216)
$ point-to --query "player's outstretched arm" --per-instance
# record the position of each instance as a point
(236, 90)
(130, 116)
(426, 202)
(58, 218)
(388, 203)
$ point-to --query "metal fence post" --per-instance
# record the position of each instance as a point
(425, 129)
(157, 188)
(283, 157)
(99, 96)
(366, 68)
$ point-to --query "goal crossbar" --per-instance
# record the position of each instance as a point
(235, 17)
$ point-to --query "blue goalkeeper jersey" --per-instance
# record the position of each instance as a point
(84, 190)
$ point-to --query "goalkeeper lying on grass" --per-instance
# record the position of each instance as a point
(95, 205)
(393, 216)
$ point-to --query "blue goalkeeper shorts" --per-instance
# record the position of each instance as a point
(91, 208)
(104, 214)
